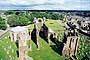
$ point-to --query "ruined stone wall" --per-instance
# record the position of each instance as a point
(71, 45)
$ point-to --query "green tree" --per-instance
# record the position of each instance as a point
(9, 12)
(18, 20)
(55, 16)
(84, 48)
(2, 24)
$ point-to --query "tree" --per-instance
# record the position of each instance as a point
(9, 12)
(18, 20)
(83, 52)
(2, 24)
(61, 17)
(25, 18)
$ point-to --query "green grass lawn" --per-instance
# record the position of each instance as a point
(7, 48)
(57, 26)
(46, 52)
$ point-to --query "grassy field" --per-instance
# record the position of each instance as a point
(57, 26)
(46, 51)
(7, 48)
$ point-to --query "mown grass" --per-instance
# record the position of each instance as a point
(57, 26)
(46, 52)
(7, 48)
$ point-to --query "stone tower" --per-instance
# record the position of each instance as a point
(71, 45)
(20, 36)
(35, 32)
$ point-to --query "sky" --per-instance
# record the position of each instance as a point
(44, 4)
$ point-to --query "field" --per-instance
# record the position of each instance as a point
(7, 48)
(47, 52)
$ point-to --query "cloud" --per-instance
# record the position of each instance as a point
(45, 4)
(49, 7)
(19, 2)
(29, 2)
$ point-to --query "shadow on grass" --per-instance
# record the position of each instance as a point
(56, 49)
(43, 33)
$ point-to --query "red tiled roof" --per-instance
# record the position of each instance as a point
(1, 32)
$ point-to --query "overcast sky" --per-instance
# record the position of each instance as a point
(45, 4)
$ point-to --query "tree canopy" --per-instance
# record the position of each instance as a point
(25, 18)
(2, 24)
(18, 20)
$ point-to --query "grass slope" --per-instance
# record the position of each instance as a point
(7, 48)
(46, 52)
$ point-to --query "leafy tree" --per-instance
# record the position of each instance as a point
(12, 20)
(55, 16)
(84, 48)
(9, 12)
(24, 18)
(2, 24)
(61, 17)
(18, 20)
